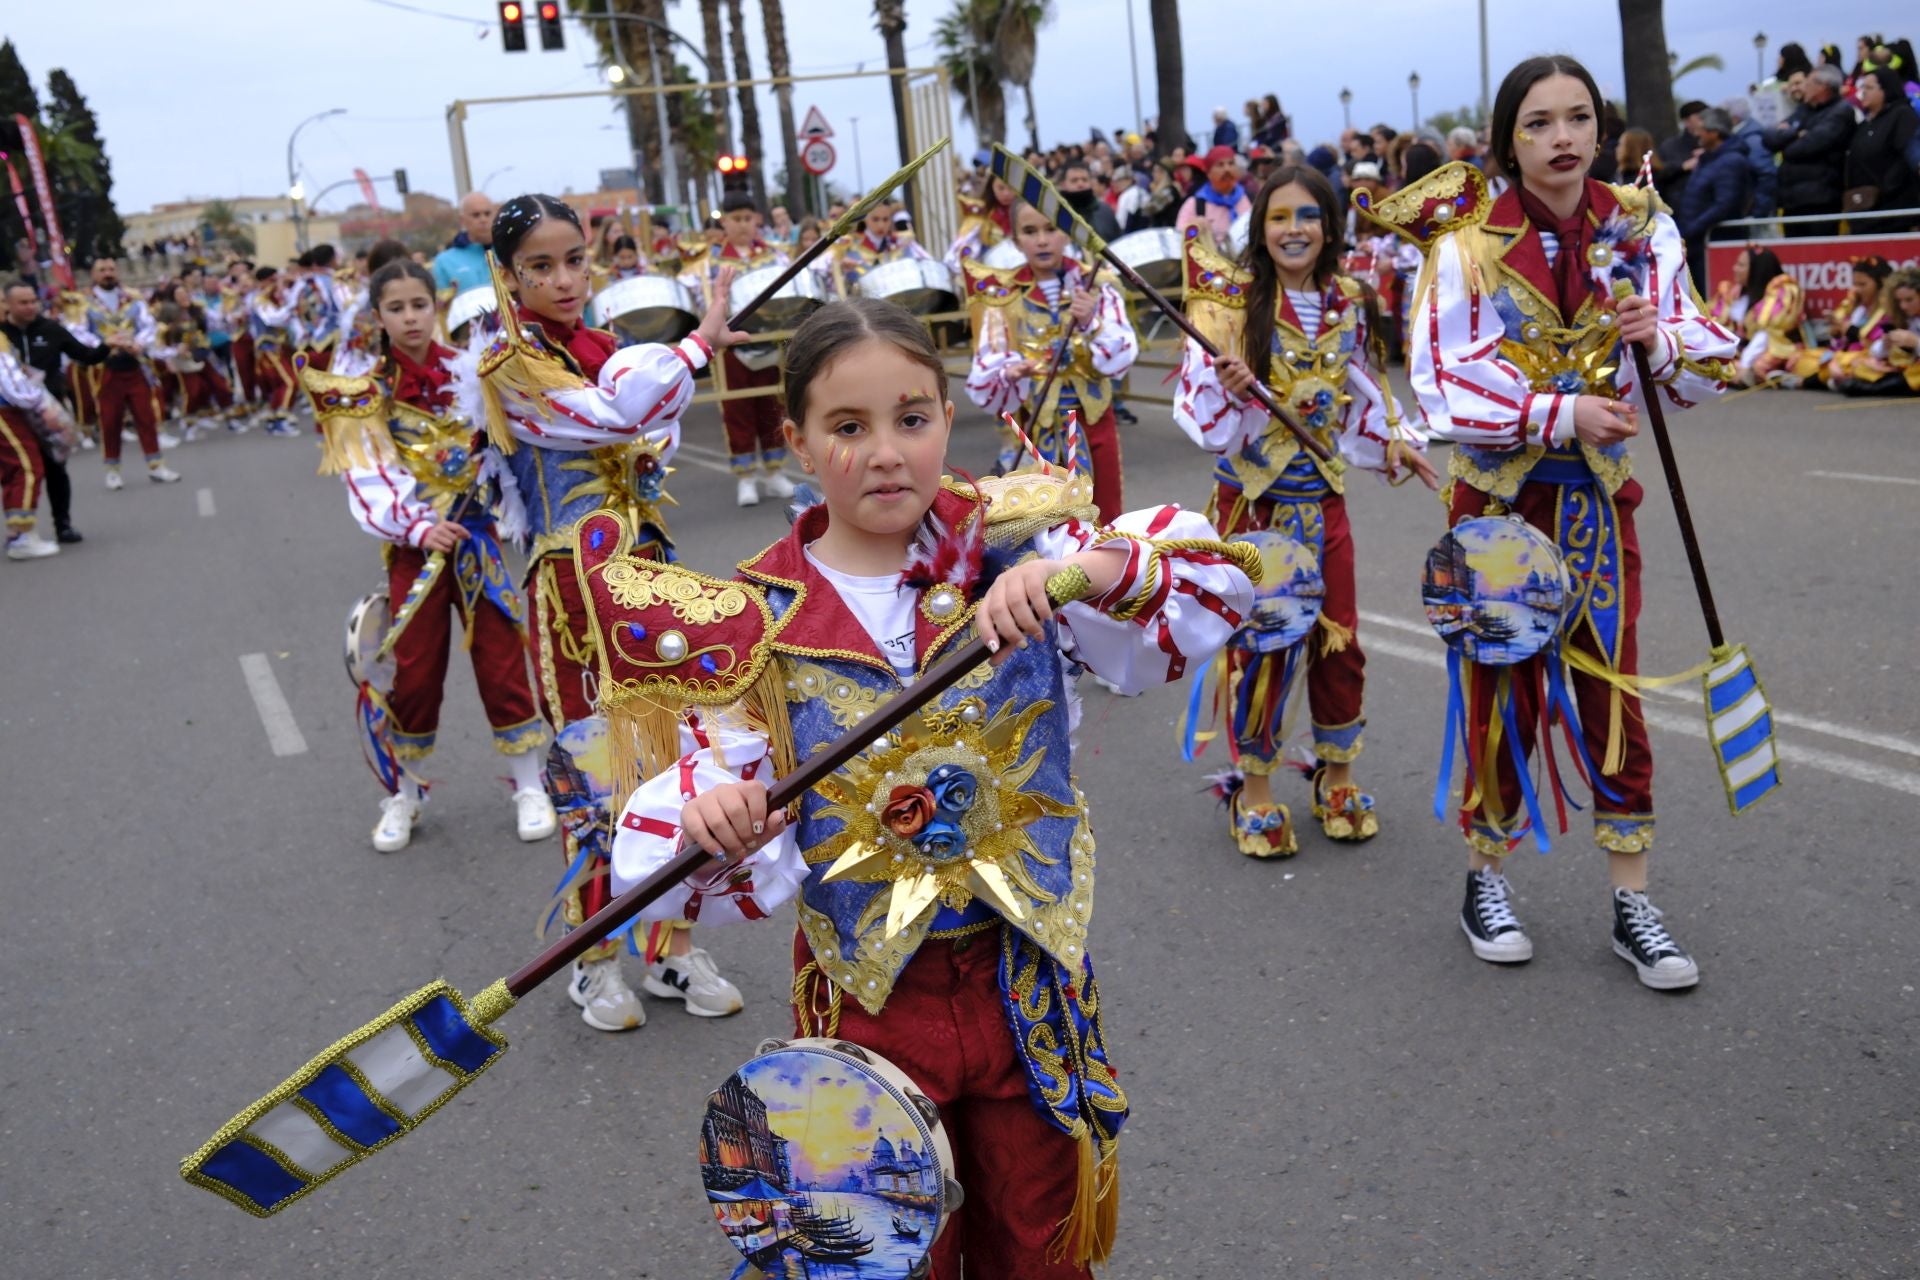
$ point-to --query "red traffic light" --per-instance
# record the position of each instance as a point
(509, 12)
(724, 164)
(549, 12)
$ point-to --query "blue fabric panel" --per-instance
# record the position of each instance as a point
(1754, 790)
(1744, 742)
(451, 1039)
(348, 1108)
(1738, 686)
(252, 1172)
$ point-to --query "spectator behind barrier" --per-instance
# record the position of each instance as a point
(1880, 171)
(1813, 151)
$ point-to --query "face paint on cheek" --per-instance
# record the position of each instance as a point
(1523, 137)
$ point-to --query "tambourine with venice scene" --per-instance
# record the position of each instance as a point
(1496, 589)
(821, 1158)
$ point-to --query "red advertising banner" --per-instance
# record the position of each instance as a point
(26, 214)
(366, 188)
(1822, 264)
(37, 169)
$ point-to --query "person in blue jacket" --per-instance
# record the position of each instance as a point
(1718, 191)
(1761, 165)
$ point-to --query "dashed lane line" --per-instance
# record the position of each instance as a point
(205, 498)
(283, 735)
(1863, 477)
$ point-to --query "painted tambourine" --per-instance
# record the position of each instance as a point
(1496, 589)
(821, 1158)
(1288, 600)
(367, 625)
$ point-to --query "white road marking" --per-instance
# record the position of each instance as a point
(1688, 693)
(1865, 479)
(696, 456)
(282, 733)
(1694, 727)
(205, 498)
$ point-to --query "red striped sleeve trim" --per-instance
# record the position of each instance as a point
(650, 826)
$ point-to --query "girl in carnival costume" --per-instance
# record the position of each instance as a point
(1517, 355)
(1295, 323)
(1888, 366)
(946, 876)
(585, 425)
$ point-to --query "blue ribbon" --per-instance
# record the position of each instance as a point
(1456, 733)
(1517, 753)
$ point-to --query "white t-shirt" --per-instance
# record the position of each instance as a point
(883, 607)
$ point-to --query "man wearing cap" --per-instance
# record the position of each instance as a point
(1719, 189)
(1216, 202)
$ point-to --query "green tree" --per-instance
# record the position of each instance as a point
(890, 20)
(624, 44)
(1016, 40)
(964, 38)
(228, 231)
(82, 176)
(1705, 62)
(1445, 121)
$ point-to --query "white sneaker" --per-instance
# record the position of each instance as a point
(776, 484)
(606, 1002)
(239, 425)
(163, 474)
(394, 831)
(113, 479)
(693, 978)
(533, 814)
(30, 546)
(745, 494)
(168, 440)
(87, 445)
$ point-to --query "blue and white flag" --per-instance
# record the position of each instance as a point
(1740, 723)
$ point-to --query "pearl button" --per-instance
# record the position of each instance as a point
(672, 646)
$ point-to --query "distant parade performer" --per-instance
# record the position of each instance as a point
(63, 364)
(985, 220)
(119, 320)
(586, 425)
(1889, 368)
(271, 324)
(945, 877)
(319, 308)
(201, 393)
(420, 476)
(1518, 353)
(1050, 339)
(22, 400)
(876, 243)
(235, 306)
(1291, 320)
(754, 447)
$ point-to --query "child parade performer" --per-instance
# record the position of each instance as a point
(1518, 355)
(1027, 319)
(420, 477)
(585, 425)
(1291, 321)
(946, 877)
(877, 243)
(270, 321)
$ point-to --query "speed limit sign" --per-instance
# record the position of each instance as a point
(816, 156)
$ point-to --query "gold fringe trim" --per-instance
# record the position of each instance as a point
(491, 1001)
(1337, 638)
(1087, 1233)
(644, 732)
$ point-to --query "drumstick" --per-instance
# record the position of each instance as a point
(845, 223)
(1062, 588)
(1042, 195)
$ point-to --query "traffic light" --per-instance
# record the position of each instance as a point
(551, 36)
(731, 164)
(400, 181)
(513, 29)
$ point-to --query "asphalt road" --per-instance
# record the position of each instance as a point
(1325, 1082)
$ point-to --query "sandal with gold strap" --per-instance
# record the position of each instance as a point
(1345, 813)
(1263, 830)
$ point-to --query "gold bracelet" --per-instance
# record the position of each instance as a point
(1068, 585)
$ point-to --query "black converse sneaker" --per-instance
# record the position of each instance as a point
(1489, 922)
(1642, 941)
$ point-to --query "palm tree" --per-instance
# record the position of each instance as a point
(1705, 62)
(890, 19)
(1643, 55)
(613, 39)
(1170, 71)
(1015, 48)
(773, 17)
(715, 40)
(964, 38)
(219, 218)
(749, 107)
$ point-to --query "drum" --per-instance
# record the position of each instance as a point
(1004, 256)
(647, 309)
(1288, 600)
(367, 624)
(1496, 589)
(921, 285)
(466, 308)
(820, 1155)
(1155, 254)
(1239, 231)
(797, 299)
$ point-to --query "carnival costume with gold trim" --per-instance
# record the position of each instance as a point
(1854, 335)
(1498, 366)
(1264, 479)
(966, 818)
(852, 257)
(978, 232)
(1773, 329)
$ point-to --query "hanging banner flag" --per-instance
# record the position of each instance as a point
(366, 188)
(20, 201)
(37, 169)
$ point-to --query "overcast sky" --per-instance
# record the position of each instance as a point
(198, 99)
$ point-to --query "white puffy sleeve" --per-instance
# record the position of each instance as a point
(1172, 606)
(1469, 393)
(385, 502)
(18, 389)
(1372, 418)
(647, 834)
(1111, 342)
(989, 383)
(1211, 418)
(641, 393)
(1688, 337)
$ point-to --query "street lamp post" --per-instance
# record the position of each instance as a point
(1346, 108)
(859, 174)
(1759, 58)
(1413, 87)
(294, 191)
(1133, 56)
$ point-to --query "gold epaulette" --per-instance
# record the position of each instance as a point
(1641, 203)
(351, 413)
(667, 639)
(1021, 504)
(987, 287)
(971, 206)
(1216, 291)
(1452, 196)
(73, 306)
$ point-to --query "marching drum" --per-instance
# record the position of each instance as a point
(1289, 598)
(821, 1153)
(647, 309)
(466, 308)
(1496, 589)
(367, 625)
(1155, 254)
(921, 285)
(797, 299)
(1004, 256)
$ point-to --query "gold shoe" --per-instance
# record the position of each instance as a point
(1345, 813)
(1262, 831)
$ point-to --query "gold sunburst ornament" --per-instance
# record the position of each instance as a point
(937, 808)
